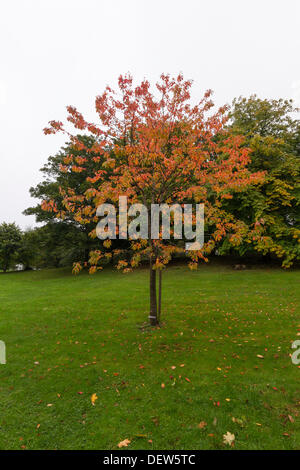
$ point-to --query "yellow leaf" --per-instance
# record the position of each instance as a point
(94, 398)
(124, 443)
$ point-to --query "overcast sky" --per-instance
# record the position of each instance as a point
(60, 52)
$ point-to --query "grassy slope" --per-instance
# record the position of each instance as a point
(84, 333)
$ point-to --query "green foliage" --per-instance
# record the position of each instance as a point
(60, 243)
(27, 253)
(55, 177)
(10, 242)
(54, 244)
(273, 207)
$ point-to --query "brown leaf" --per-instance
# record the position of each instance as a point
(124, 443)
(202, 425)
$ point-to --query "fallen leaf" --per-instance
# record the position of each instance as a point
(155, 420)
(202, 425)
(124, 443)
(238, 421)
(228, 438)
(94, 398)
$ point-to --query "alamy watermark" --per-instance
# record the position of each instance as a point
(296, 355)
(153, 223)
(2, 352)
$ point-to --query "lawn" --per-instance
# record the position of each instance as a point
(222, 358)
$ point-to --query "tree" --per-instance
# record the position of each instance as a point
(55, 244)
(57, 176)
(27, 253)
(273, 136)
(157, 149)
(10, 242)
(63, 240)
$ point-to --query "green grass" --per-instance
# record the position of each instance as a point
(67, 334)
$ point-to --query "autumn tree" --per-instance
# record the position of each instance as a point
(156, 147)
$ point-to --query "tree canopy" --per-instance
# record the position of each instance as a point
(156, 148)
(273, 137)
(10, 243)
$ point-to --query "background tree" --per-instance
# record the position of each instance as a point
(28, 251)
(54, 245)
(157, 149)
(10, 242)
(65, 240)
(57, 174)
(273, 136)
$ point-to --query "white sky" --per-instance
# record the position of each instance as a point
(60, 52)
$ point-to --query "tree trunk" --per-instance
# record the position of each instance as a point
(5, 267)
(159, 294)
(153, 303)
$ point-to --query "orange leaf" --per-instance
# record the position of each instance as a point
(124, 443)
